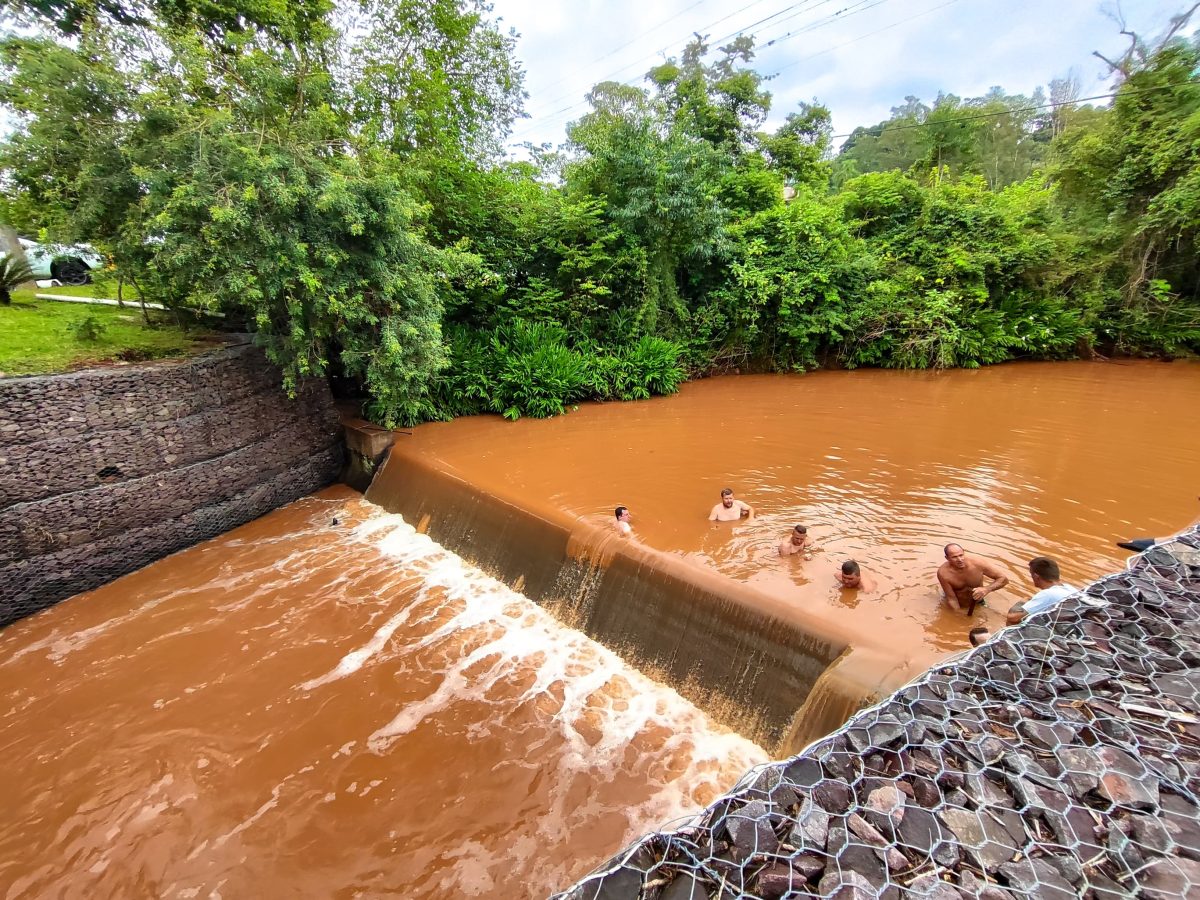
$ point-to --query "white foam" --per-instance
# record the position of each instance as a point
(596, 702)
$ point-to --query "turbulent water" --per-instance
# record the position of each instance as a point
(307, 709)
(1012, 461)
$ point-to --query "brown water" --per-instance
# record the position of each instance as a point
(302, 710)
(297, 709)
(884, 467)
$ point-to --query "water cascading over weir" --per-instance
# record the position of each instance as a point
(756, 664)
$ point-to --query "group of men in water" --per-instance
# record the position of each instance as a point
(965, 581)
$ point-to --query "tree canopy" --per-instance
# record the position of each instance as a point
(332, 176)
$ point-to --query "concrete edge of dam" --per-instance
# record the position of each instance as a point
(1061, 759)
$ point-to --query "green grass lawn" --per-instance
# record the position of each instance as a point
(40, 336)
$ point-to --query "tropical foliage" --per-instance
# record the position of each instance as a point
(332, 176)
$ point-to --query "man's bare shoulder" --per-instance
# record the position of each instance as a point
(989, 568)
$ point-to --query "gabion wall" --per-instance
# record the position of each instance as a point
(1059, 760)
(104, 471)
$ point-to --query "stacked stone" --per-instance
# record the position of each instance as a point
(104, 471)
(1059, 760)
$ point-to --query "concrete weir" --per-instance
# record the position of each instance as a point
(755, 664)
(1061, 759)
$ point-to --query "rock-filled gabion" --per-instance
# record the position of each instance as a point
(1059, 760)
(105, 471)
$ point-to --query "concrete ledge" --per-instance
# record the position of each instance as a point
(367, 445)
(1059, 760)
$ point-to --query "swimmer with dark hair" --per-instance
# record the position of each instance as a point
(623, 520)
(851, 576)
(797, 541)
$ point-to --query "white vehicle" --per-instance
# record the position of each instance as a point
(69, 265)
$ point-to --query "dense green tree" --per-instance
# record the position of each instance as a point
(434, 76)
(331, 178)
(239, 182)
(1131, 185)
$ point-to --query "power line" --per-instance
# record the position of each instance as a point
(642, 61)
(863, 37)
(649, 31)
(854, 8)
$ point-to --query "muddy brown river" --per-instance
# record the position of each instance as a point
(302, 709)
(1013, 461)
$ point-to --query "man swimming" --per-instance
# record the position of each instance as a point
(797, 541)
(623, 520)
(729, 509)
(851, 576)
(961, 578)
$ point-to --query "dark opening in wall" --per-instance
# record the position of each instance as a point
(109, 473)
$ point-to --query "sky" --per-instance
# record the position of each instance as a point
(858, 57)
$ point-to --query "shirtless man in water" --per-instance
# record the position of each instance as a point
(851, 576)
(730, 510)
(961, 578)
(797, 541)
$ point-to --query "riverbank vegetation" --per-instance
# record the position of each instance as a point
(349, 201)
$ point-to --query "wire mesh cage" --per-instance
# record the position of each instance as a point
(1060, 759)
(106, 470)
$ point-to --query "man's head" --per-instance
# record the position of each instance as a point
(851, 574)
(727, 497)
(955, 555)
(978, 635)
(1043, 571)
(622, 513)
(799, 535)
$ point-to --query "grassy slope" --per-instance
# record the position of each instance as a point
(35, 337)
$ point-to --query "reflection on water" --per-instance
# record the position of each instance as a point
(298, 709)
(1013, 461)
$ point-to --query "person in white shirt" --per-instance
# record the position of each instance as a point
(623, 521)
(729, 509)
(1043, 572)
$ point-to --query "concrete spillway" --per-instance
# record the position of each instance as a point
(757, 664)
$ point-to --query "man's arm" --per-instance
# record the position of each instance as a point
(1015, 614)
(948, 591)
(999, 580)
(748, 510)
(712, 516)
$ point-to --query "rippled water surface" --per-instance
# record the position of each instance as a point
(884, 467)
(298, 709)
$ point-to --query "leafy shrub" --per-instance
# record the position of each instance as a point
(655, 364)
(88, 330)
(13, 273)
(530, 369)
